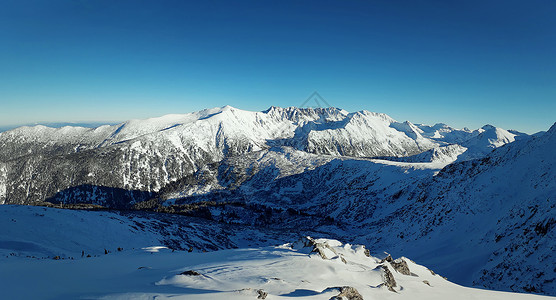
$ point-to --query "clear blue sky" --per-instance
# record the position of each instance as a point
(464, 63)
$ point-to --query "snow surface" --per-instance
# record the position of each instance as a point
(145, 270)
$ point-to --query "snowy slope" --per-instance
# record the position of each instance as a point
(443, 155)
(484, 222)
(340, 187)
(144, 269)
(490, 220)
(32, 232)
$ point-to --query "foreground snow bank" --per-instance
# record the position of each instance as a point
(307, 269)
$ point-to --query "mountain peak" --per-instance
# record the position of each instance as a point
(488, 127)
(227, 107)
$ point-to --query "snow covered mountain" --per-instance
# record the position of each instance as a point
(476, 206)
(144, 156)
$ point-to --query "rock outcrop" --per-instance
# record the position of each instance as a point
(346, 292)
(400, 265)
(323, 249)
(388, 278)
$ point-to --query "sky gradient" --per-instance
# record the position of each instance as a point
(463, 63)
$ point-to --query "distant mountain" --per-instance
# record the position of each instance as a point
(146, 155)
(59, 125)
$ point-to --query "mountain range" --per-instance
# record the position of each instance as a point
(477, 206)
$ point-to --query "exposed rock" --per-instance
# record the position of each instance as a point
(319, 248)
(304, 242)
(367, 252)
(433, 273)
(388, 279)
(346, 292)
(427, 282)
(190, 273)
(400, 265)
(261, 294)
(387, 258)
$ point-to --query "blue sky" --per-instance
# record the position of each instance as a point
(464, 63)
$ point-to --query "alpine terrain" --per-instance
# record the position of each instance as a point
(287, 202)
